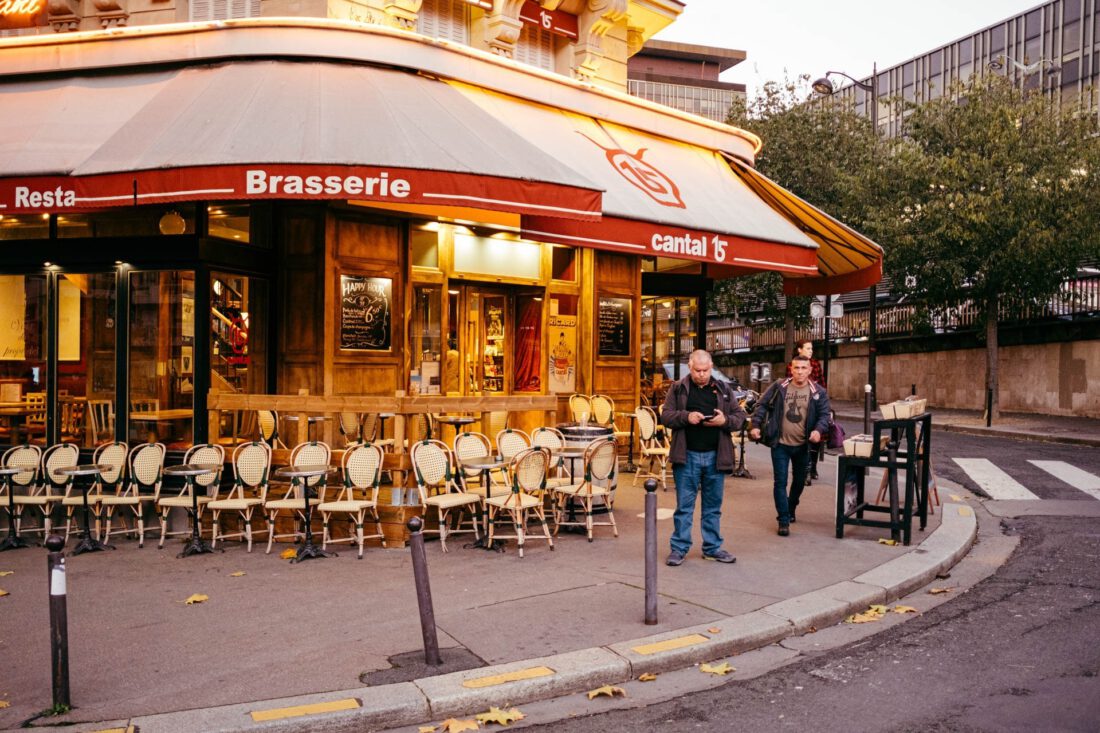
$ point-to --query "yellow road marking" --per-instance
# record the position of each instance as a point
(128, 729)
(964, 511)
(669, 644)
(499, 679)
(299, 710)
(956, 497)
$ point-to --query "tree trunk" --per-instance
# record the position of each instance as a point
(991, 395)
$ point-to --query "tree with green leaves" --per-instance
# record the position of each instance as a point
(996, 202)
(822, 151)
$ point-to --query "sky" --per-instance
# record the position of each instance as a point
(791, 37)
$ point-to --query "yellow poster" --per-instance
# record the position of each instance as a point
(68, 320)
(13, 309)
(563, 353)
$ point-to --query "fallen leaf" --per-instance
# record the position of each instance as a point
(237, 574)
(4, 593)
(813, 630)
(606, 690)
(884, 541)
(937, 591)
(4, 704)
(875, 608)
(426, 729)
(862, 618)
(647, 677)
(454, 725)
(714, 630)
(6, 572)
(905, 609)
(717, 669)
(289, 554)
(501, 717)
(196, 598)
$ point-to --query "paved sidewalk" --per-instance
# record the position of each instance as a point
(511, 630)
(1018, 425)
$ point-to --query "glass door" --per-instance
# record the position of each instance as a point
(23, 359)
(86, 357)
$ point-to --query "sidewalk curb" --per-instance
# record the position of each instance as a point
(992, 432)
(431, 698)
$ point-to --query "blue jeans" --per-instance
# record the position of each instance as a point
(784, 457)
(698, 472)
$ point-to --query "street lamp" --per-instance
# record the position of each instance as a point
(825, 87)
(1026, 70)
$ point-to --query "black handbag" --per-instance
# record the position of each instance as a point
(766, 437)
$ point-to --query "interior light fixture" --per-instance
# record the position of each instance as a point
(172, 223)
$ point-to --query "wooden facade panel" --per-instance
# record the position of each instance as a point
(365, 379)
(369, 240)
(299, 361)
(617, 271)
(614, 380)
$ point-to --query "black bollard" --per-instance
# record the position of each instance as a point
(867, 409)
(650, 552)
(989, 407)
(892, 486)
(59, 624)
(423, 592)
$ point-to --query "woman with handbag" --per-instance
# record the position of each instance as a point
(789, 417)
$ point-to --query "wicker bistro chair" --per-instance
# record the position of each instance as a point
(580, 406)
(553, 440)
(139, 490)
(600, 460)
(471, 446)
(251, 470)
(51, 486)
(350, 428)
(510, 443)
(371, 426)
(362, 466)
(527, 476)
(268, 422)
(603, 410)
(313, 453)
(112, 455)
(28, 457)
(204, 454)
(101, 416)
(654, 446)
(433, 466)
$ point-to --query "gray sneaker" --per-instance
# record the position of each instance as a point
(674, 558)
(721, 556)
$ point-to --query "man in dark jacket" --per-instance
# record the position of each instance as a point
(702, 413)
(799, 416)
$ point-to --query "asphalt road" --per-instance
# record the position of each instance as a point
(1019, 652)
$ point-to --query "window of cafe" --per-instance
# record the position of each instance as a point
(428, 372)
(161, 359)
(668, 338)
(238, 352)
(86, 357)
(23, 340)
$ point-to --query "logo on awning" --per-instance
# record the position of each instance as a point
(644, 176)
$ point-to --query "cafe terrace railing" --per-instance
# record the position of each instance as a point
(1077, 298)
(401, 406)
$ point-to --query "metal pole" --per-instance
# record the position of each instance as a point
(650, 552)
(59, 624)
(828, 323)
(866, 409)
(872, 326)
(423, 592)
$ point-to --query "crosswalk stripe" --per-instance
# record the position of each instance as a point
(992, 480)
(1075, 477)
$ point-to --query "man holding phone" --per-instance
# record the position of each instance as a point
(702, 413)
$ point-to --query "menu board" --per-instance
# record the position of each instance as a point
(365, 312)
(614, 324)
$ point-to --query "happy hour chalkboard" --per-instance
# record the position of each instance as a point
(614, 324)
(365, 312)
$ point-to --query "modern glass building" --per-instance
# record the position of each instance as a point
(685, 76)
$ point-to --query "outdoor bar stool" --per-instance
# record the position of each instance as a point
(527, 479)
(362, 468)
(600, 459)
(313, 453)
(141, 488)
(654, 448)
(204, 454)
(111, 455)
(28, 457)
(433, 465)
(251, 469)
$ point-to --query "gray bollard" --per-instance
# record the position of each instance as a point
(650, 552)
(59, 624)
(423, 592)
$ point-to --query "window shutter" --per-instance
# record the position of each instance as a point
(223, 9)
(447, 19)
(535, 47)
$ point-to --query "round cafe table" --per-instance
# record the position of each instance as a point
(485, 464)
(308, 549)
(87, 542)
(196, 545)
(12, 541)
(458, 422)
(311, 420)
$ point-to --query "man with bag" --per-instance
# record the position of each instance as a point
(702, 414)
(789, 416)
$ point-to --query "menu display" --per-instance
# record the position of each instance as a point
(614, 326)
(365, 312)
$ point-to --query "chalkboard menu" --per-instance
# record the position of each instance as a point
(365, 312)
(614, 323)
